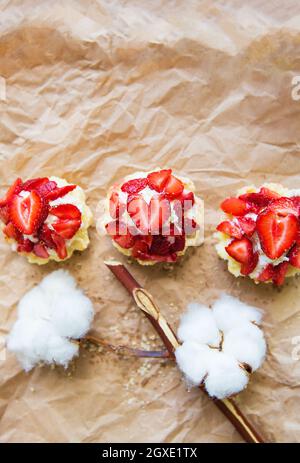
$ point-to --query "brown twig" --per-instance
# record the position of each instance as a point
(123, 350)
(146, 303)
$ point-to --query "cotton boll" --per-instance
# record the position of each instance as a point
(198, 324)
(192, 359)
(49, 315)
(230, 311)
(225, 376)
(34, 304)
(244, 349)
(60, 350)
(73, 314)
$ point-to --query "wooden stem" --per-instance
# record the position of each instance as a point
(146, 303)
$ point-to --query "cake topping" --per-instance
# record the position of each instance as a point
(34, 221)
(264, 228)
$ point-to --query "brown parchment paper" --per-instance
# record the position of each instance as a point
(96, 90)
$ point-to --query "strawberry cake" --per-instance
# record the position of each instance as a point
(45, 219)
(153, 216)
(260, 235)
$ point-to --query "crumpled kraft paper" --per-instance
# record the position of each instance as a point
(95, 91)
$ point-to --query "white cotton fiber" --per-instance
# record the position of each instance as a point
(229, 311)
(247, 344)
(49, 317)
(192, 361)
(229, 326)
(198, 324)
(225, 377)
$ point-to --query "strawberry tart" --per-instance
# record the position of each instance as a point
(260, 235)
(45, 219)
(153, 216)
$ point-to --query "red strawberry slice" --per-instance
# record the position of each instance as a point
(4, 214)
(241, 250)
(160, 245)
(12, 232)
(174, 187)
(116, 227)
(247, 225)
(160, 211)
(178, 245)
(267, 273)
(296, 202)
(46, 188)
(40, 251)
(276, 233)
(116, 207)
(139, 212)
(60, 245)
(13, 190)
(26, 212)
(250, 266)
(230, 228)
(34, 183)
(235, 206)
(125, 241)
(280, 273)
(294, 256)
(158, 180)
(261, 199)
(283, 206)
(183, 204)
(66, 211)
(59, 192)
(67, 228)
(45, 236)
(25, 246)
(135, 186)
(140, 250)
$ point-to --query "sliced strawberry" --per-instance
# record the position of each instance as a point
(116, 207)
(235, 206)
(261, 199)
(139, 212)
(160, 245)
(283, 206)
(174, 187)
(45, 236)
(294, 256)
(296, 202)
(250, 266)
(230, 228)
(276, 233)
(25, 246)
(158, 180)
(34, 183)
(4, 214)
(241, 250)
(60, 245)
(267, 273)
(67, 228)
(26, 212)
(12, 232)
(160, 211)
(247, 225)
(13, 190)
(135, 186)
(187, 199)
(46, 188)
(66, 211)
(125, 241)
(59, 192)
(140, 250)
(280, 273)
(40, 251)
(178, 245)
(116, 227)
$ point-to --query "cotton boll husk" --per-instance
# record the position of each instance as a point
(60, 350)
(73, 313)
(230, 311)
(192, 359)
(198, 324)
(34, 305)
(245, 350)
(28, 340)
(225, 376)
